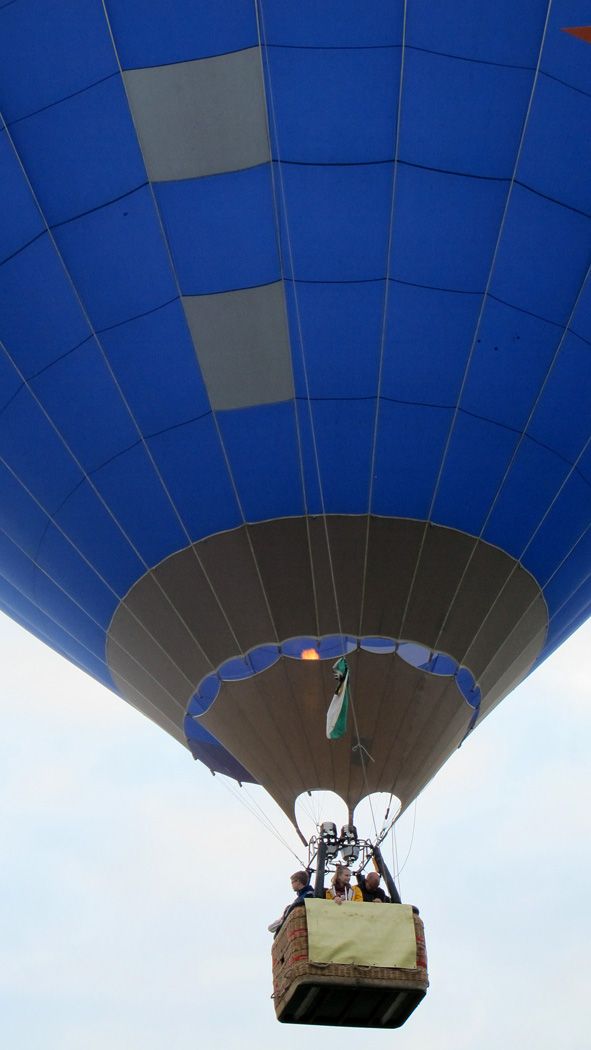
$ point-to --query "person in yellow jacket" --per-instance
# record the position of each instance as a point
(341, 890)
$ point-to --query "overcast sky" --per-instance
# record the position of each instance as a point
(135, 890)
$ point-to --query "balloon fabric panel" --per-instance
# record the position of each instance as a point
(535, 476)
(567, 394)
(337, 221)
(220, 229)
(98, 550)
(533, 269)
(332, 106)
(510, 362)
(76, 136)
(35, 452)
(442, 125)
(557, 150)
(477, 458)
(424, 351)
(147, 35)
(134, 492)
(153, 358)
(509, 33)
(458, 213)
(190, 459)
(404, 480)
(335, 334)
(42, 318)
(80, 397)
(62, 54)
(22, 223)
(262, 447)
(117, 258)
(339, 24)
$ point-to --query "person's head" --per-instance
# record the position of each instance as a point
(342, 876)
(299, 879)
(372, 881)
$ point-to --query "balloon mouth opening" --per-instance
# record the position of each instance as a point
(331, 647)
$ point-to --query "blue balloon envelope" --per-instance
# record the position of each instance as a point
(295, 317)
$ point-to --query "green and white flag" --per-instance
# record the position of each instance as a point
(336, 716)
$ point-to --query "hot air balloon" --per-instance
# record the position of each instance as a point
(295, 320)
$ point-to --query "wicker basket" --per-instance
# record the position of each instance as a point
(337, 994)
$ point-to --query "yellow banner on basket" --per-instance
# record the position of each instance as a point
(361, 934)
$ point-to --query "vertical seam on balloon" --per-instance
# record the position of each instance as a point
(260, 13)
(395, 667)
(256, 684)
(86, 561)
(574, 620)
(581, 584)
(233, 484)
(385, 319)
(130, 413)
(429, 762)
(258, 6)
(240, 715)
(270, 112)
(261, 38)
(213, 411)
(521, 675)
(480, 314)
(518, 562)
(384, 314)
(57, 431)
(521, 438)
(411, 713)
(264, 63)
(102, 501)
(78, 641)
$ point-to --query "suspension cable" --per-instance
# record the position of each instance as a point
(246, 800)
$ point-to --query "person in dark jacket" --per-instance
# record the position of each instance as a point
(372, 891)
(300, 884)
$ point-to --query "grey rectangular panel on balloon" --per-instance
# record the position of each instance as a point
(242, 345)
(200, 118)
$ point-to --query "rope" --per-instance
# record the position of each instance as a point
(259, 814)
(270, 822)
(395, 862)
(414, 819)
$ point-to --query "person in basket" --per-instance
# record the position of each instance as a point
(341, 890)
(371, 889)
(300, 884)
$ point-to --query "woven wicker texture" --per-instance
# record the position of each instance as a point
(290, 962)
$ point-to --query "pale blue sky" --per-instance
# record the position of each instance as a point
(135, 891)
